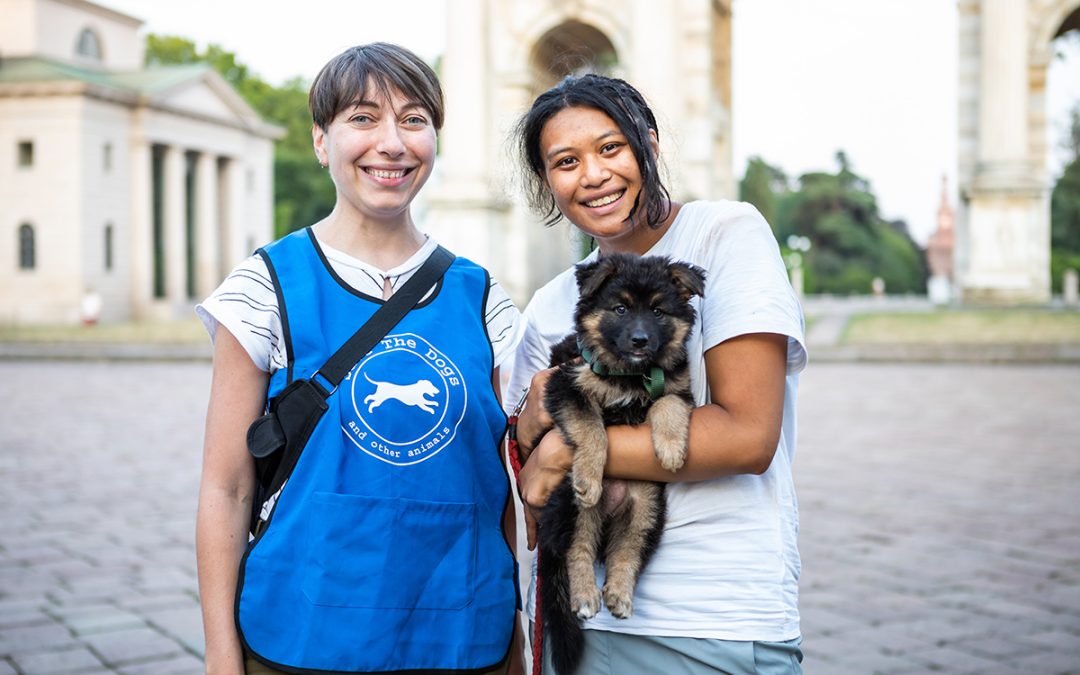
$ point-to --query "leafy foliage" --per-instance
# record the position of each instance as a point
(851, 243)
(1065, 210)
(302, 192)
(762, 186)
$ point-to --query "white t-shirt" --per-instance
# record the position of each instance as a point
(246, 304)
(728, 565)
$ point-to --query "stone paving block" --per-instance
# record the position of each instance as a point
(1049, 662)
(819, 620)
(177, 556)
(88, 594)
(823, 649)
(160, 600)
(182, 664)
(1009, 609)
(157, 579)
(21, 578)
(942, 630)
(64, 568)
(28, 615)
(996, 647)
(76, 660)
(858, 660)
(29, 639)
(182, 624)
(25, 620)
(127, 646)
(1054, 639)
(953, 660)
(87, 620)
(7, 668)
(26, 554)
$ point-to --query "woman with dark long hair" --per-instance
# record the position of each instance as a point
(721, 592)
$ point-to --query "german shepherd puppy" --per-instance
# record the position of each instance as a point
(631, 324)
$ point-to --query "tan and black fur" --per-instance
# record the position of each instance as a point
(633, 315)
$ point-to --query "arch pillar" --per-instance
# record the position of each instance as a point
(463, 211)
(1003, 252)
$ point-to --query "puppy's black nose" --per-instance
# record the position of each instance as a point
(639, 339)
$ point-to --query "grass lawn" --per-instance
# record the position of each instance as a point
(991, 326)
(173, 332)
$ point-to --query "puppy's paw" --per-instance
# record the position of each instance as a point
(670, 452)
(586, 604)
(588, 491)
(619, 602)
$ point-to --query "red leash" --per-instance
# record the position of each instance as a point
(515, 462)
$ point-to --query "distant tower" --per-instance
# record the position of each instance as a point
(939, 251)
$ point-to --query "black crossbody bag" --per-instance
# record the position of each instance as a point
(277, 439)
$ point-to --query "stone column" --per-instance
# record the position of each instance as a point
(462, 210)
(464, 148)
(1006, 238)
(652, 60)
(233, 195)
(175, 241)
(1003, 83)
(142, 223)
(206, 225)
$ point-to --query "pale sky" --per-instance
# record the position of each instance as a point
(876, 78)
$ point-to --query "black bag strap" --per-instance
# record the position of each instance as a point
(384, 319)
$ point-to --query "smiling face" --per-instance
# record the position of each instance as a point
(595, 179)
(380, 151)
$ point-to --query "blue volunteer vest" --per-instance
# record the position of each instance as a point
(385, 550)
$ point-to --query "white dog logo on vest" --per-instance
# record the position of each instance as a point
(410, 394)
(430, 393)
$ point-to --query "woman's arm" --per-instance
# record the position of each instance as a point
(737, 433)
(237, 397)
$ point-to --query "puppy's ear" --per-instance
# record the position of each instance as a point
(592, 276)
(689, 279)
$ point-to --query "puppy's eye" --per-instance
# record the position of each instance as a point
(619, 309)
(657, 312)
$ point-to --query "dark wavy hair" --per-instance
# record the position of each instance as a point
(346, 78)
(626, 107)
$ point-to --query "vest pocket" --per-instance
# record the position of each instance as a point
(377, 553)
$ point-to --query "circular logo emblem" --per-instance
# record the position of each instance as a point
(404, 401)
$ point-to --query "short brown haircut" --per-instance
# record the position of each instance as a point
(345, 79)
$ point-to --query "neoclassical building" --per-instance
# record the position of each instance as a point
(142, 185)
(1003, 226)
(501, 53)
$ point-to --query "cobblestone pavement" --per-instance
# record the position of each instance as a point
(940, 518)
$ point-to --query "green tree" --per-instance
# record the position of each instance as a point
(303, 192)
(763, 185)
(851, 243)
(1065, 209)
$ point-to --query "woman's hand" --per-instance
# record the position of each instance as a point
(534, 420)
(545, 469)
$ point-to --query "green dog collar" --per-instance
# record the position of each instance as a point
(652, 378)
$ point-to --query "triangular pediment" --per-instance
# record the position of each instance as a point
(192, 89)
(199, 98)
(206, 94)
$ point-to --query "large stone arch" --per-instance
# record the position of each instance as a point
(501, 53)
(1003, 234)
(571, 48)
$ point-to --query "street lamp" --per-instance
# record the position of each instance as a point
(797, 245)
